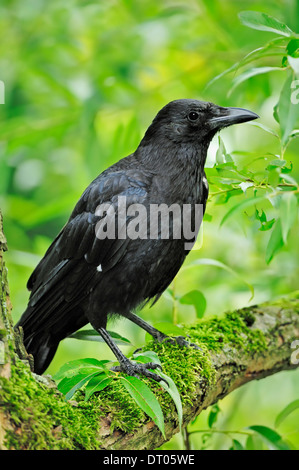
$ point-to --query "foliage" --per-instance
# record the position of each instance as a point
(83, 81)
(94, 376)
(277, 184)
(256, 437)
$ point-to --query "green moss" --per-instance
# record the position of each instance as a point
(42, 419)
(184, 366)
(233, 330)
(122, 409)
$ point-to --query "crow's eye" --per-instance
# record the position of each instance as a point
(193, 116)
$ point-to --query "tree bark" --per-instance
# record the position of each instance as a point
(34, 415)
(6, 341)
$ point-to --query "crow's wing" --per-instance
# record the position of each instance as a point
(66, 272)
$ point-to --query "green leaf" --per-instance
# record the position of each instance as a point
(267, 225)
(276, 164)
(213, 415)
(224, 197)
(270, 49)
(171, 388)
(227, 173)
(293, 48)
(220, 151)
(265, 128)
(271, 437)
(196, 298)
(285, 169)
(288, 213)
(264, 22)
(69, 385)
(252, 73)
(275, 242)
(97, 384)
(221, 155)
(293, 406)
(261, 217)
(93, 335)
(71, 368)
(287, 111)
(237, 445)
(248, 202)
(145, 399)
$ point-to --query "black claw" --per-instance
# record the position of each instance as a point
(153, 365)
(135, 369)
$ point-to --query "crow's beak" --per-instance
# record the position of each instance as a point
(225, 117)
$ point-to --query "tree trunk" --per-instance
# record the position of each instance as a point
(6, 341)
(246, 345)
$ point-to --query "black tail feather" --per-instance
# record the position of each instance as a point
(42, 337)
(40, 346)
(43, 353)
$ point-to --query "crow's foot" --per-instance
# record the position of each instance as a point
(136, 369)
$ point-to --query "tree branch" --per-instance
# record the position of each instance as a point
(246, 345)
(279, 322)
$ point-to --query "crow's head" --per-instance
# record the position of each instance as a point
(186, 120)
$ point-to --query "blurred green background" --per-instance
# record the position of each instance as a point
(83, 80)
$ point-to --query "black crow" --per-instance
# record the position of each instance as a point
(96, 267)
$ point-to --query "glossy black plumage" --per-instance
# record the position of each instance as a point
(84, 279)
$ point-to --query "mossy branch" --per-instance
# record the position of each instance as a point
(241, 346)
(246, 345)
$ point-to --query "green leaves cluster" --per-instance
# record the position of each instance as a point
(260, 190)
(270, 196)
(286, 111)
(264, 22)
(257, 437)
(93, 376)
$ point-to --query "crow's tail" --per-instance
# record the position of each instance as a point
(54, 310)
(41, 346)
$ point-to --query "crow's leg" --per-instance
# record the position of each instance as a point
(158, 335)
(127, 366)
